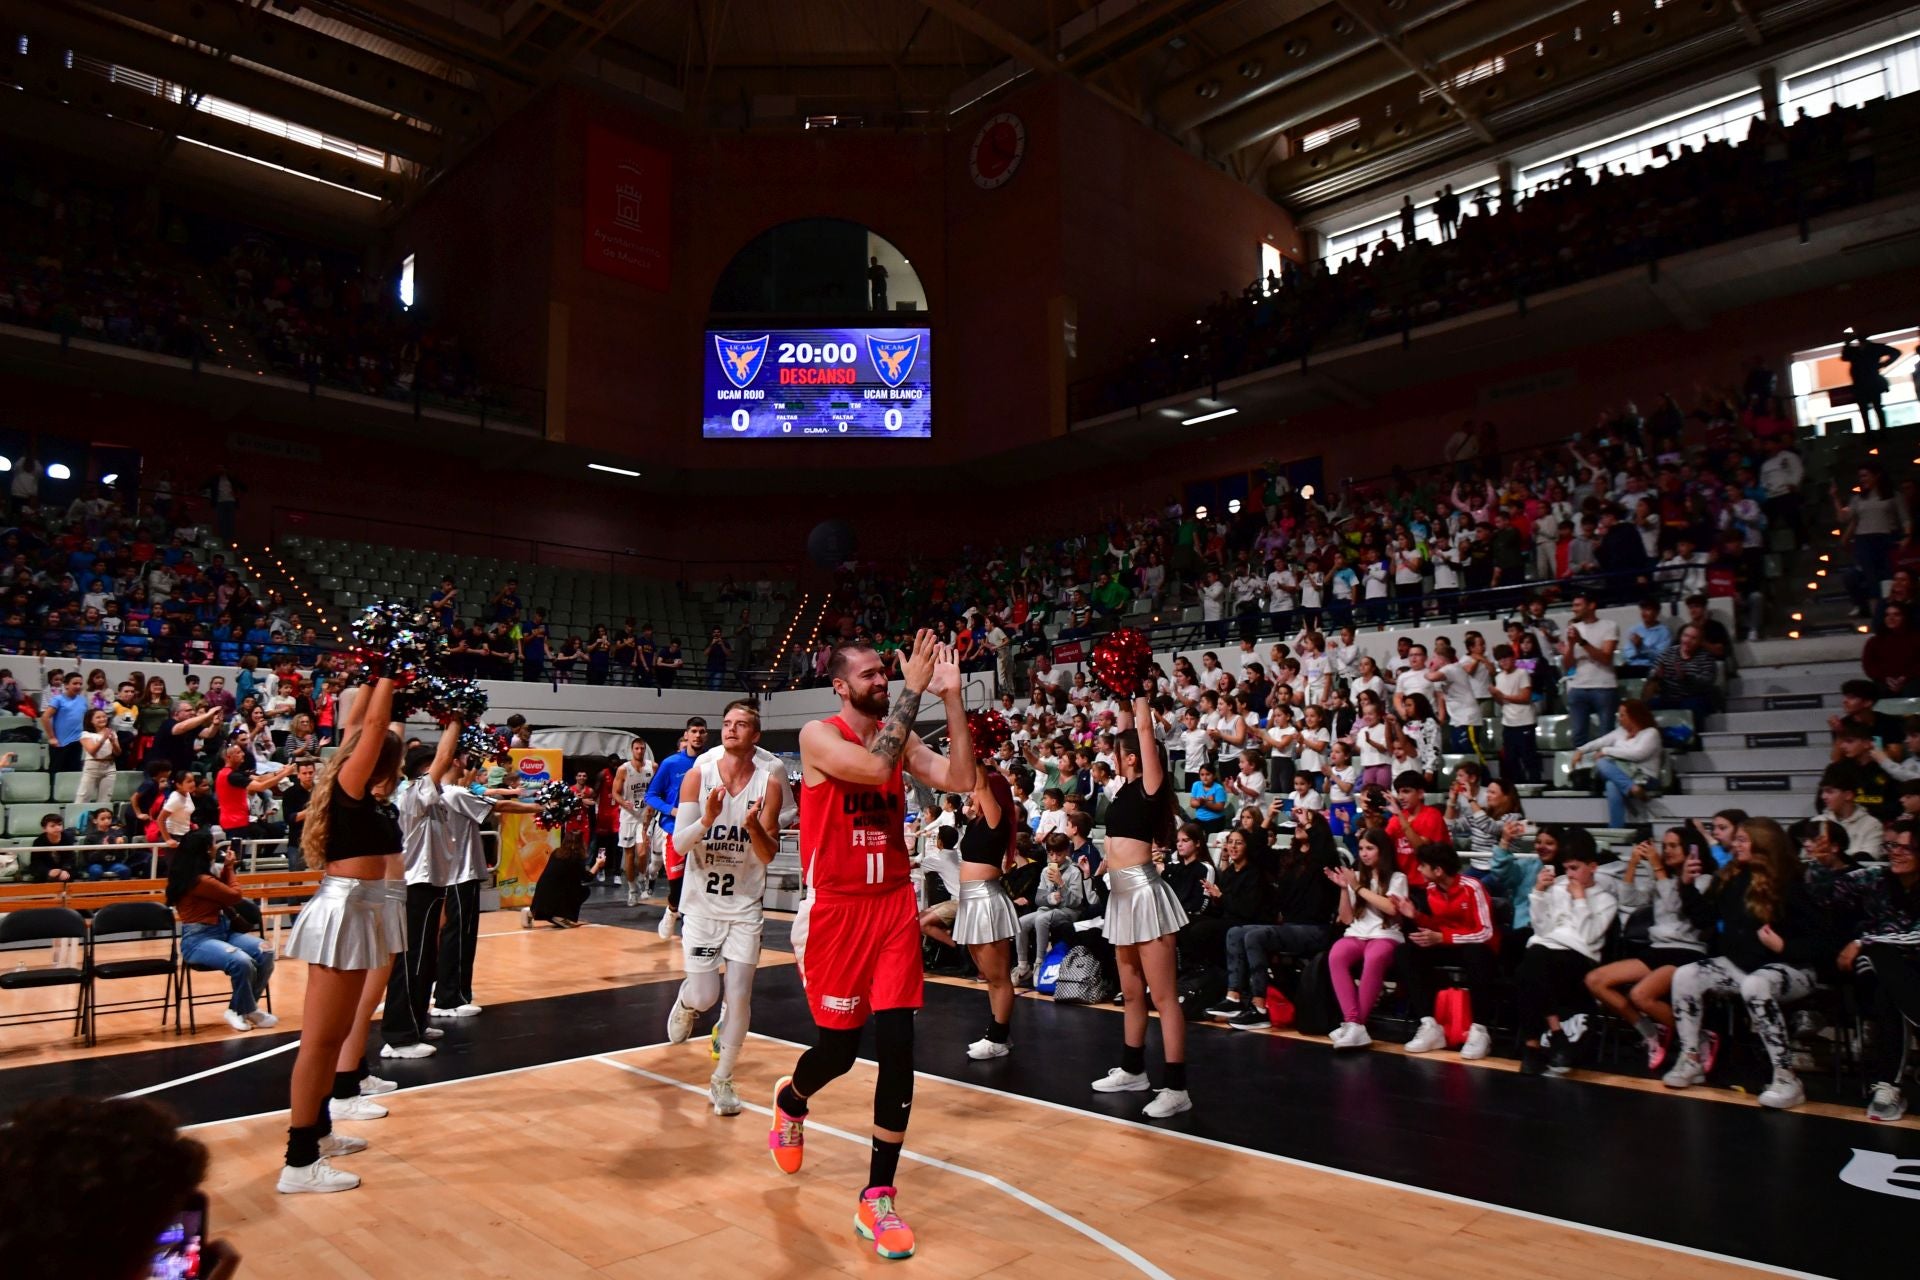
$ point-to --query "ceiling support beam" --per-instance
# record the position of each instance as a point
(1391, 39)
(1743, 15)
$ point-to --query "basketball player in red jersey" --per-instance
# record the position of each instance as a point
(856, 939)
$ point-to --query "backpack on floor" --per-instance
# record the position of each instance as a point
(1081, 980)
(1315, 1011)
(1281, 1014)
(1453, 1010)
(1200, 988)
(1046, 980)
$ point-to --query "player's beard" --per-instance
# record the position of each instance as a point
(874, 705)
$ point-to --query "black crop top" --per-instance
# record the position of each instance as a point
(985, 845)
(358, 828)
(1135, 815)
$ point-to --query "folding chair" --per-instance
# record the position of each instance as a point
(47, 924)
(137, 919)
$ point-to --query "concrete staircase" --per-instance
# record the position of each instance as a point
(1765, 753)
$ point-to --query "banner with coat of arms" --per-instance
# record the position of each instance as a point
(629, 211)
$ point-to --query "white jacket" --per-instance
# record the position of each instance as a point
(1638, 753)
(1567, 923)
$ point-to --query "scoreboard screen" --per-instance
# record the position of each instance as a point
(847, 383)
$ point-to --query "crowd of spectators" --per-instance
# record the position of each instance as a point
(1666, 504)
(1327, 848)
(110, 573)
(116, 265)
(1579, 226)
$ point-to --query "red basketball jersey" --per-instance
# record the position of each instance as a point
(853, 837)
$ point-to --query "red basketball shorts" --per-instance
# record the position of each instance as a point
(858, 953)
(676, 863)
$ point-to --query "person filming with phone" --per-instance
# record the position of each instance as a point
(130, 1204)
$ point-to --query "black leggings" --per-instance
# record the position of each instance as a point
(1553, 983)
(832, 1056)
(673, 892)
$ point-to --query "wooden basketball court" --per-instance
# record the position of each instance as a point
(556, 1134)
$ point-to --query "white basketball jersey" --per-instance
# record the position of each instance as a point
(726, 880)
(637, 779)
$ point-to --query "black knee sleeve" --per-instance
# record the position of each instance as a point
(893, 1092)
(830, 1058)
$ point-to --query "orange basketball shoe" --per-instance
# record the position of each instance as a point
(787, 1139)
(877, 1221)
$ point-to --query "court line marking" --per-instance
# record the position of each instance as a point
(1066, 1219)
(210, 1071)
(442, 1084)
(1370, 1179)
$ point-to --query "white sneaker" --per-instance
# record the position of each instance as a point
(633, 895)
(1120, 1080)
(237, 1021)
(432, 1033)
(339, 1144)
(373, 1086)
(318, 1177)
(1888, 1104)
(1785, 1091)
(462, 1011)
(418, 1049)
(1427, 1038)
(1686, 1072)
(680, 1023)
(982, 1049)
(468, 1011)
(1022, 975)
(526, 917)
(262, 1019)
(361, 1108)
(1479, 1044)
(725, 1101)
(1338, 1036)
(668, 919)
(1168, 1102)
(1357, 1038)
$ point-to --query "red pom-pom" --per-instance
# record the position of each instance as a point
(988, 729)
(1121, 663)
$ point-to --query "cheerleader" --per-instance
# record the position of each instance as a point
(348, 934)
(986, 919)
(1143, 916)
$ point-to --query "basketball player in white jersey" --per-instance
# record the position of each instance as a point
(630, 793)
(728, 829)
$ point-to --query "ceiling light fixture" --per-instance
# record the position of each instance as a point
(618, 471)
(1208, 417)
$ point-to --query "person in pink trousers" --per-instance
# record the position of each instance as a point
(1370, 899)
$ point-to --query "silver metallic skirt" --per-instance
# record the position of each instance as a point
(1141, 906)
(986, 913)
(351, 924)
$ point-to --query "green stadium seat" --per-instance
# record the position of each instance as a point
(29, 756)
(65, 787)
(24, 819)
(125, 783)
(26, 788)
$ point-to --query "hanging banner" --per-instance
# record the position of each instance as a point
(524, 846)
(629, 223)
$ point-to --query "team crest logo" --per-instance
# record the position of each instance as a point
(893, 358)
(741, 360)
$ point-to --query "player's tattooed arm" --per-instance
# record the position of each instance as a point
(891, 741)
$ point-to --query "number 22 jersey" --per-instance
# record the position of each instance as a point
(726, 879)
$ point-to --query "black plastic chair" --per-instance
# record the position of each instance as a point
(47, 924)
(116, 922)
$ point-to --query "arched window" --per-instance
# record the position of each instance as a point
(818, 267)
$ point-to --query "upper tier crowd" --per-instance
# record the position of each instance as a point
(116, 266)
(1579, 226)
